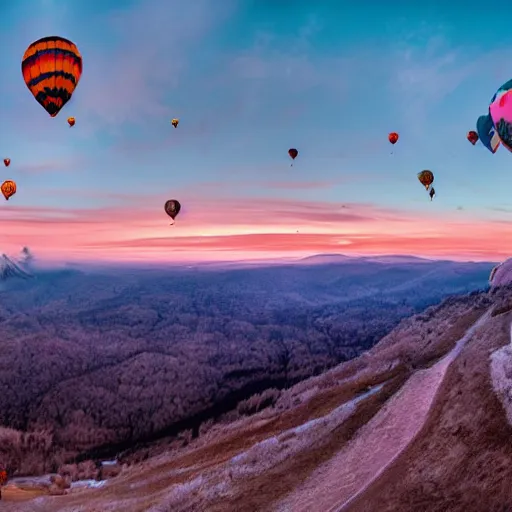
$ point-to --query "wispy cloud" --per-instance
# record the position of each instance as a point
(423, 75)
(240, 229)
(43, 167)
(500, 209)
(153, 39)
(273, 185)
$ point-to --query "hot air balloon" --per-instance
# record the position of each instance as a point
(393, 137)
(71, 121)
(175, 122)
(487, 134)
(172, 208)
(432, 193)
(8, 189)
(426, 178)
(472, 136)
(293, 154)
(500, 110)
(52, 67)
(7, 162)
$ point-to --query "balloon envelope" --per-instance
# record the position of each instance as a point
(472, 136)
(293, 153)
(52, 67)
(487, 134)
(172, 208)
(393, 137)
(8, 188)
(426, 178)
(500, 111)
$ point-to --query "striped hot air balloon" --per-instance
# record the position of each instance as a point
(51, 68)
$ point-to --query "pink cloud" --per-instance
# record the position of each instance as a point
(231, 229)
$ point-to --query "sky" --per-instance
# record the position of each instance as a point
(248, 80)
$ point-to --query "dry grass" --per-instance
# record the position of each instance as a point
(462, 459)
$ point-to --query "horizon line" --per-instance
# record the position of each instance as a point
(140, 262)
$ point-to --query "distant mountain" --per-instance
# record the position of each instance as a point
(324, 259)
(9, 269)
(397, 258)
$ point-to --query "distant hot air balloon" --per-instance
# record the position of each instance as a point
(393, 137)
(8, 189)
(175, 122)
(293, 153)
(426, 178)
(52, 67)
(172, 208)
(71, 121)
(7, 162)
(472, 136)
(432, 193)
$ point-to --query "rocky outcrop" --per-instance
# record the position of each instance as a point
(501, 274)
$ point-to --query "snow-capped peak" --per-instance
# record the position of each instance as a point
(10, 269)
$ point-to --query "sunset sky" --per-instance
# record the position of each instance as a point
(249, 79)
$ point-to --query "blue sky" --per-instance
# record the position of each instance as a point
(248, 80)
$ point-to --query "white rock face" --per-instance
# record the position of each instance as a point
(501, 274)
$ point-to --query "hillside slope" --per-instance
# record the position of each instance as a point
(310, 449)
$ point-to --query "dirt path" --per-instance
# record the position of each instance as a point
(334, 485)
(462, 460)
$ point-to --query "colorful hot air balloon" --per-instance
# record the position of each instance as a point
(426, 178)
(472, 136)
(172, 208)
(487, 134)
(175, 122)
(7, 162)
(71, 121)
(393, 137)
(52, 67)
(500, 110)
(8, 189)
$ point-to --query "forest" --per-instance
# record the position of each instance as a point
(97, 361)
